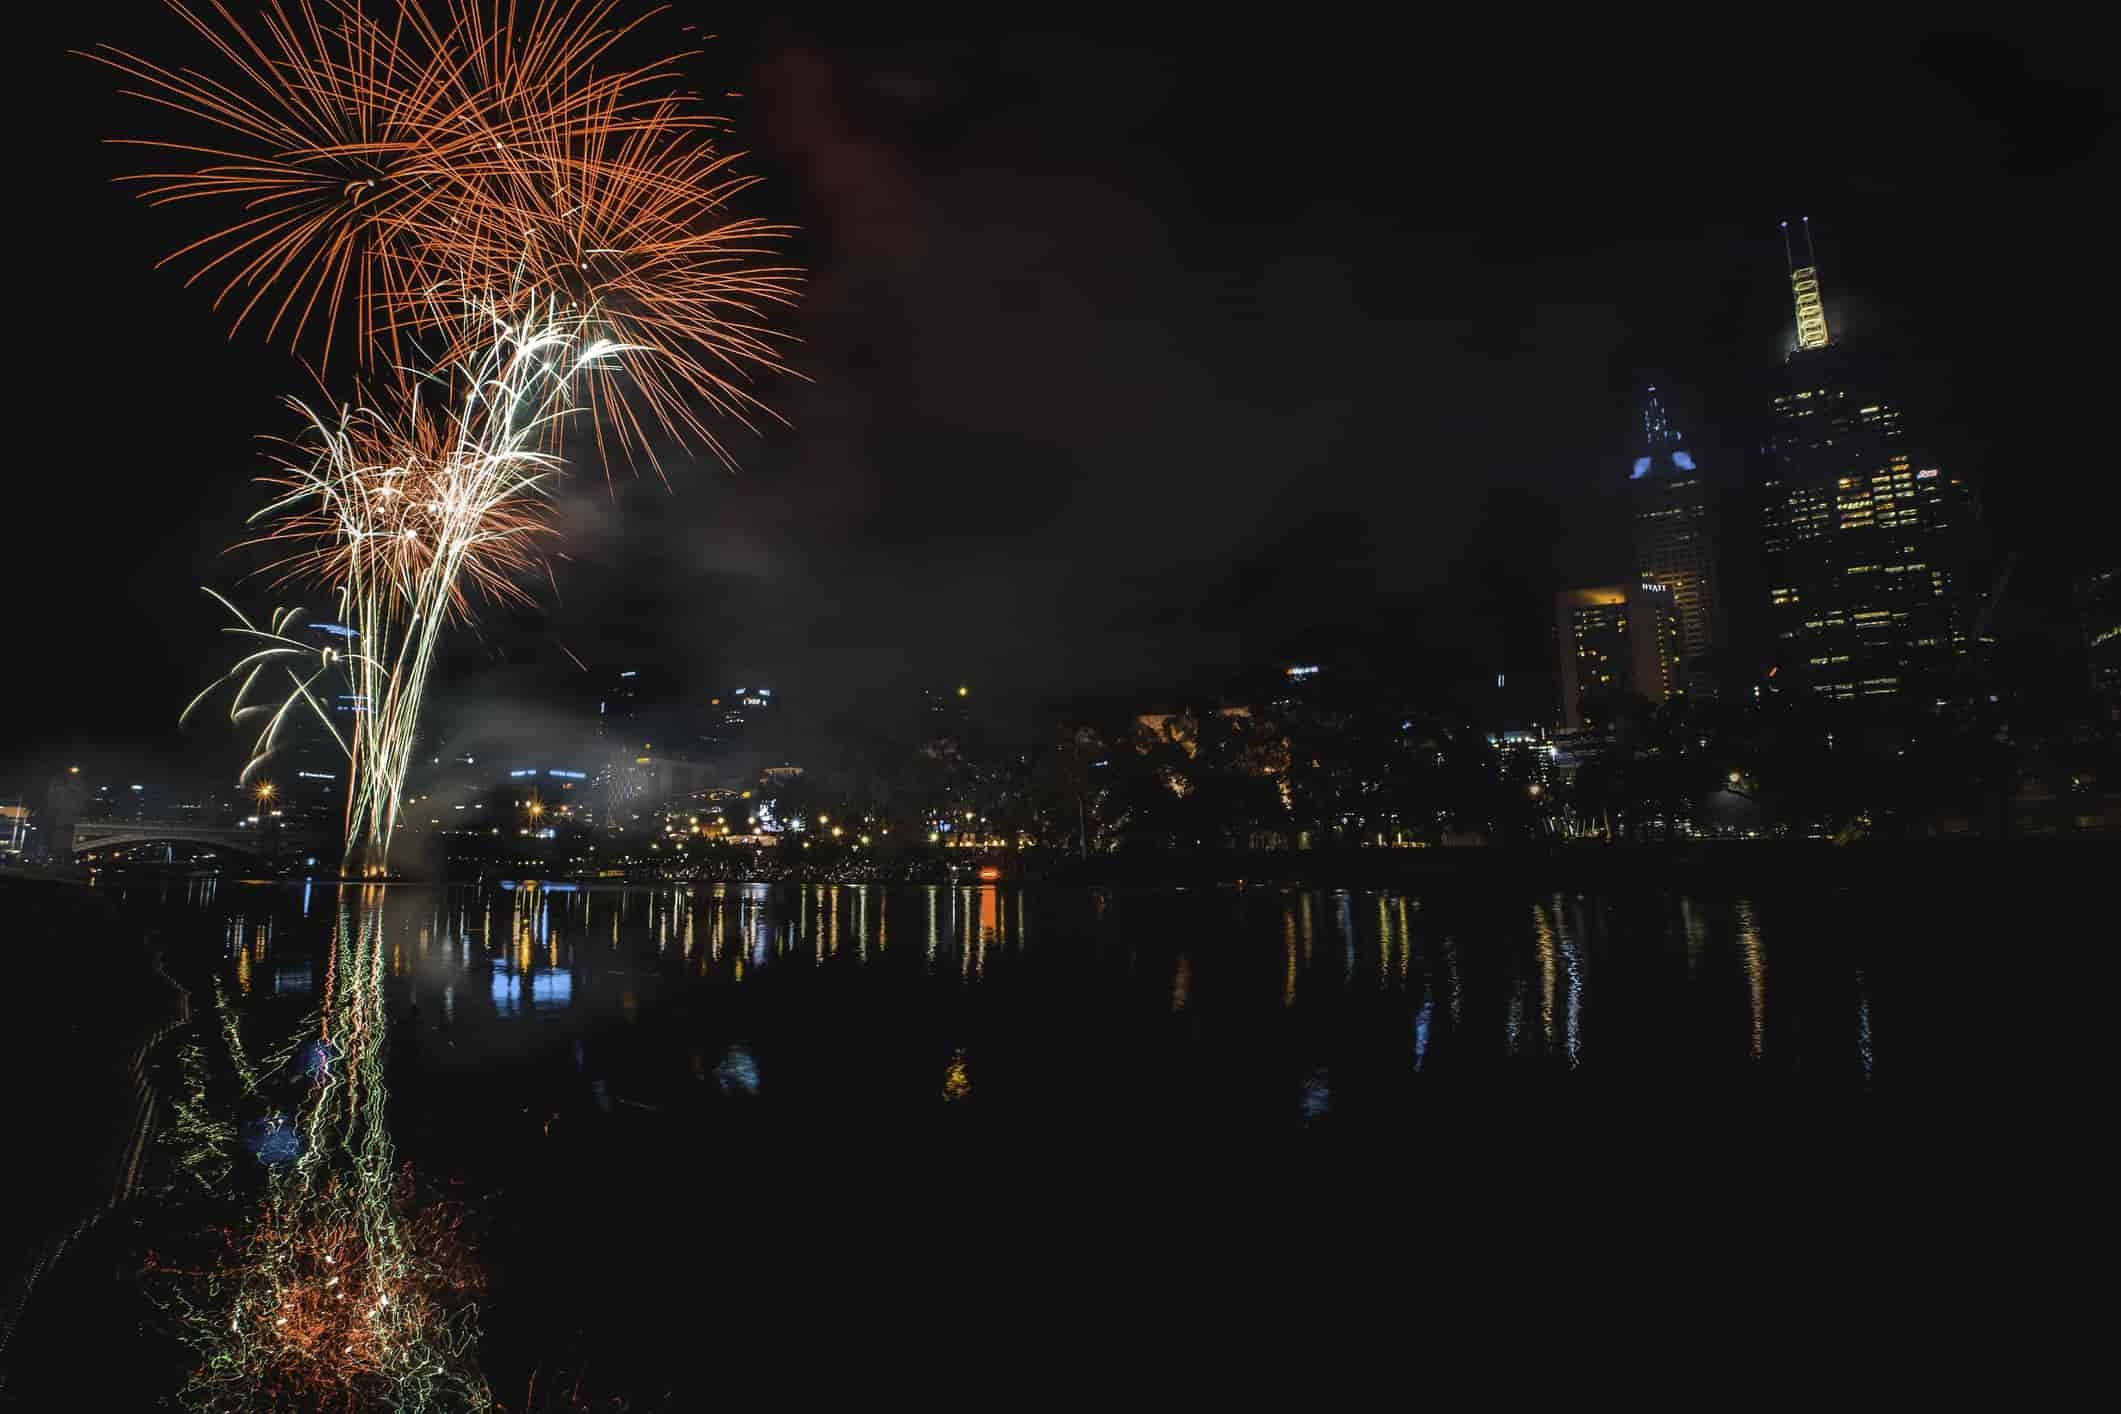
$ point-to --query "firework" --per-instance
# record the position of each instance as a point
(490, 211)
(506, 228)
(403, 515)
(390, 174)
(273, 651)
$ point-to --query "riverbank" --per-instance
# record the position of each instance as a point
(1725, 864)
(82, 1110)
(1739, 864)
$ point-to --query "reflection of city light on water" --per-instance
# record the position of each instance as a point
(1316, 1097)
(515, 991)
(1863, 1024)
(957, 1078)
(737, 1072)
(1752, 955)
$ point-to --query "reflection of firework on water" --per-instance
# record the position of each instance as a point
(201, 1142)
(488, 211)
(302, 1309)
(348, 1289)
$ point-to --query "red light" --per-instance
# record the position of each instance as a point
(990, 874)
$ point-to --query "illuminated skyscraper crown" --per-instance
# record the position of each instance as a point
(1804, 286)
(1659, 439)
(1657, 433)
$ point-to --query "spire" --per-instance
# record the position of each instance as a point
(1657, 433)
(1804, 285)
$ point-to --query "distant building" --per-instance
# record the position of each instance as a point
(1868, 543)
(15, 828)
(1615, 642)
(2099, 612)
(1673, 538)
(649, 739)
(741, 719)
(1525, 756)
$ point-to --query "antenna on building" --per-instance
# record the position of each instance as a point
(1804, 287)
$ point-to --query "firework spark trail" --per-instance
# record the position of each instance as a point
(482, 497)
(281, 651)
(409, 179)
(387, 174)
(400, 187)
(397, 516)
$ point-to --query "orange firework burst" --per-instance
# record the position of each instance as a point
(387, 488)
(388, 173)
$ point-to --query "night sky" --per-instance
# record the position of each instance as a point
(1134, 357)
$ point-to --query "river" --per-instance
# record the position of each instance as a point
(751, 1098)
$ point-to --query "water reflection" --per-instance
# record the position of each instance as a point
(1752, 953)
(737, 1073)
(957, 1078)
(1460, 988)
(545, 1040)
(343, 1286)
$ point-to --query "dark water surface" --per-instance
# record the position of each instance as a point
(707, 1125)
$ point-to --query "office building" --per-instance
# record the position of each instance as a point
(1617, 643)
(1525, 758)
(742, 722)
(15, 828)
(1674, 545)
(1869, 544)
(650, 741)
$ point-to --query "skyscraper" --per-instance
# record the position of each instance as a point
(647, 736)
(1673, 544)
(1616, 642)
(1868, 542)
(742, 722)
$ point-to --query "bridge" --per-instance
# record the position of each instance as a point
(230, 839)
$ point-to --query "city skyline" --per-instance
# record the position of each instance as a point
(1255, 571)
(611, 598)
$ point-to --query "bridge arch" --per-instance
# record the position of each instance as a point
(92, 835)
